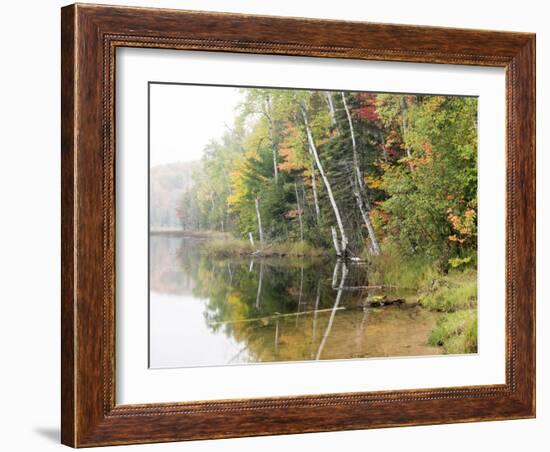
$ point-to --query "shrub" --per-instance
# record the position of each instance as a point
(451, 299)
(456, 332)
(226, 248)
(391, 268)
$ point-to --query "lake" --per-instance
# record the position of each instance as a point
(207, 311)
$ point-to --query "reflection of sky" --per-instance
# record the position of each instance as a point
(179, 339)
(294, 314)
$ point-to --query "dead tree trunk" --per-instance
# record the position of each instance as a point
(269, 115)
(335, 273)
(359, 190)
(299, 213)
(315, 195)
(356, 168)
(259, 217)
(335, 241)
(331, 108)
(344, 239)
(368, 223)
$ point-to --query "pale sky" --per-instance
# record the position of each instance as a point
(185, 118)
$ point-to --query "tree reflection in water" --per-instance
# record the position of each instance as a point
(282, 309)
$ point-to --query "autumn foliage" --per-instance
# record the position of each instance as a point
(416, 156)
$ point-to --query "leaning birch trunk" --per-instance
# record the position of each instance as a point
(353, 145)
(299, 213)
(259, 217)
(335, 273)
(344, 242)
(362, 204)
(368, 223)
(333, 313)
(331, 108)
(251, 238)
(269, 116)
(335, 241)
(315, 195)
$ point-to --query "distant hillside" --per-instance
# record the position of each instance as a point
(167, 184)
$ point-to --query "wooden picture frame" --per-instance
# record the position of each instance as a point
(90, 35)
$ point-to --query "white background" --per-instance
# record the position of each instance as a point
(137, 384)
(29, 390)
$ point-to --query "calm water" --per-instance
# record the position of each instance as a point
(211, 311)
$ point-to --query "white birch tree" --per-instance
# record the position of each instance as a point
(359, 186)
(344, 239)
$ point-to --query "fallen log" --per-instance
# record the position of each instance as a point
(365, 287)
(277, 316)
(382, 303)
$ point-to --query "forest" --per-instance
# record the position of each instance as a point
(385, 179)
(349, 173)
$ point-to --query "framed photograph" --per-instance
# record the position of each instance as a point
(280, 225)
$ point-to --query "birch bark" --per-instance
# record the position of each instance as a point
(259, 217)
(331, 108)
(299, 213)
(269, 115)
(363, 204)
(315, 195)
(344, 239)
